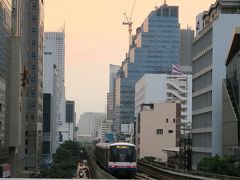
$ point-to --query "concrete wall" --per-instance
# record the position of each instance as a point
(229, 124)
(150, 143)
(223, 29)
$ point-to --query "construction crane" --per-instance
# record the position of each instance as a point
(129, 22)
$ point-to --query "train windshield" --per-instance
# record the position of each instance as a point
(122, 154)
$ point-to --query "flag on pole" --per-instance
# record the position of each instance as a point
(176, 69)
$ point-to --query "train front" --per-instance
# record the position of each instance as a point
(122, 159)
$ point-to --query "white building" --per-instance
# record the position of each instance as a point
(50, 88)
(210, 48)
(90, 125)
(153, 88)
(55, 51)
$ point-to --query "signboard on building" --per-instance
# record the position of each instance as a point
(109, 137)
(5, 170)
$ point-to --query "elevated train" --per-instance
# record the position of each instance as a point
(117, 158)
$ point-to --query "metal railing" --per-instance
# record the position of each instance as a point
(181, 174)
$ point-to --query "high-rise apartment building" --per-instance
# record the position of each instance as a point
(154, 49)
(5, 60)
(34, 86)
(215, 28)
(55, 50)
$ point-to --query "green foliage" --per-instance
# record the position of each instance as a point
(64, 161)
(149, 158)
(227, 165)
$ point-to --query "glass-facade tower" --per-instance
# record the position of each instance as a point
(154, 49)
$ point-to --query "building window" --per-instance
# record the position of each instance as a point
(170, 131)
(32, 105)
(33, 93)
(33, 80)
(32, 117)
(34, 42)
(174, 120)
(34, 17)
(26, 133)
(34, 5)
(26, 141)
(0, 125)
(34, 54)
(34, 30)
(33, 67)
(138, 123)
(47, 53)
(167, 120)
(26, 151)
(159, 131)
(139, 140)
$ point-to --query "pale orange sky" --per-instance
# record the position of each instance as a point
(95, 38)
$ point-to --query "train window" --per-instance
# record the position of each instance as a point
(122, 154)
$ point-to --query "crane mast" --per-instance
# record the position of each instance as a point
(129, 22)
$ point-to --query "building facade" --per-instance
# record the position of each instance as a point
(155, 88)
(55, 51)
(50, 110)
(34, 87)
(158, 129)
(154, 49)
(231, 100)
(210, 49)
(5, 63)
(185, 50)
(90, 125)
(113, 69)
(70, 118)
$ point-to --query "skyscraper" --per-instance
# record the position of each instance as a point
(55, 51)
(154, 49)
(112, 75)
(210, 47)
(50, 108)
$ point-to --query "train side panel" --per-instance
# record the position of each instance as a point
(101, 156)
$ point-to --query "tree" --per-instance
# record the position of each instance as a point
(64, 161)
(149, 158)
(227, 165)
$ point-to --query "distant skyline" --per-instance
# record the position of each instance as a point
(95, 38)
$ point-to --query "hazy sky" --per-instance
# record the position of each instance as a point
(95, 38)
